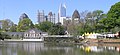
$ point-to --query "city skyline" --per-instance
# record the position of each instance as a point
(13, 9)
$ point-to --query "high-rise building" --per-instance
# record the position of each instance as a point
(41, 17)
(0, 24)
(76, 17)
(51, 17)
(23, 16)
(62, 13)
(62, 10)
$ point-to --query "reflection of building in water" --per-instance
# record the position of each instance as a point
(36, 48)
(40, 47)
(33, 47)
(117, 49)
(99, 48)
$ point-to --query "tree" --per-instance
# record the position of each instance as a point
(91, 19)
(4, 36)
(108, 23)
(114, 11)
(112, 21)
(7, 24)
(57, 29)
(44, 26)
(24, 25)
(13, 28)
(97, 13)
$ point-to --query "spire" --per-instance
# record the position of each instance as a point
(64, 5)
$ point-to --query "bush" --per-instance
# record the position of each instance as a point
(4, 36)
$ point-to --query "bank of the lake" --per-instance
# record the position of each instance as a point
(103, 40)
(69, 40)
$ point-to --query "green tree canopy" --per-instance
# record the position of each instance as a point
(6, 25)
(52, 29)
(44, 26)
(13, 28)
(57, 29)
(24, 25)
(113, 18)
(114, 11)
(4, 36)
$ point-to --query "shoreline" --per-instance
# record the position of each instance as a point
(23, 40)
(102, 40)
(111, 41)
(116, 44)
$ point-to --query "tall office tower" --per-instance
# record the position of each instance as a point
(0, 24)
(23, 16)
(76, 17)
(51, 17)
(54, 18)
(41, 17)
(62, 13)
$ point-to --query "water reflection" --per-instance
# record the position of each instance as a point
(100, 48)
(36, 48)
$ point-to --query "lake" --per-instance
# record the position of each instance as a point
(38, 48)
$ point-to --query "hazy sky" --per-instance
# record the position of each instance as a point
(12, 9)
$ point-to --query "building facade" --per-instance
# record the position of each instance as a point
(51, 17)
(29, 34)
(62, 13)
(0, 24)
(76, 17)
(41, 16)
(23, 16)
(34, 34)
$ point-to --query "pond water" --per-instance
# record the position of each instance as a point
(37, 48)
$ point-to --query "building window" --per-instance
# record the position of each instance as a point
(26, 35)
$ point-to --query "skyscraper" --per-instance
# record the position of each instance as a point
(0, 24)
(62, 13)
(23, 16)
(41, 17)
(51, 17)
(76, 17)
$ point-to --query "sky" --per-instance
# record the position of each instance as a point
(12, 9)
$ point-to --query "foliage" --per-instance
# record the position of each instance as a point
(112, 21)
(57, 29)
(13, 28)
(52, 29)
(24, 25)
(44, 26)
(115, 29)
(88, 22)
(114, 11)
(4, 36)
(6, 24)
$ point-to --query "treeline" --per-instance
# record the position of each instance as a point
(25, 24)
(97, 21)
(90, 21)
